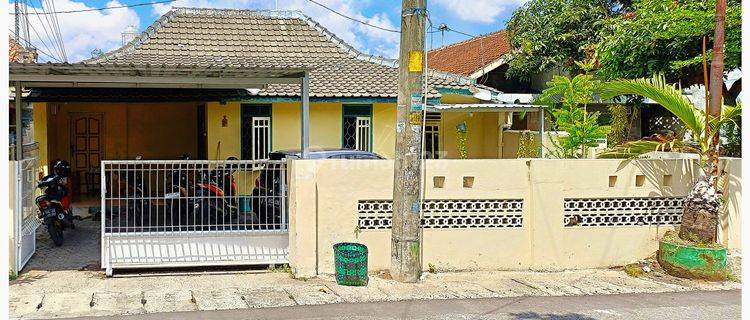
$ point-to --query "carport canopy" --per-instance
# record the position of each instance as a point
(87, 75)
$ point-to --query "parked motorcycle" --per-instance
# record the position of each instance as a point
(202, 200)
(54, 204)
(136, 203)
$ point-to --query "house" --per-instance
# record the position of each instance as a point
(352, 97)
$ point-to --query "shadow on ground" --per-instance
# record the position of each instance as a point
(80, 249)
(534, 316)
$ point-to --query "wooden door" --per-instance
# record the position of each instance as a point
(86, 150)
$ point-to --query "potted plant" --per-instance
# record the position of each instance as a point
(694, 251)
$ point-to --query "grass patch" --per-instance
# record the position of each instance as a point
(634, 270)
(693, 241)
(12, 277)
(280, 268)
(431, 268)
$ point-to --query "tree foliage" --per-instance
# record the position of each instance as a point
(665, 37)
(633, 39)
(550, 33)
(671, 98)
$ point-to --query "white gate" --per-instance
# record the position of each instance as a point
(193, 213)
(25, 221)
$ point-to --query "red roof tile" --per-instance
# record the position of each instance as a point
(468, 57)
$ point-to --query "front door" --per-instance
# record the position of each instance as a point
(86, 151)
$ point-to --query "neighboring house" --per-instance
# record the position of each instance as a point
(485, 60)
(17, 53)
(353, 97)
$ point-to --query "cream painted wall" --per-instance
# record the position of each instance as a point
(329, 215)
(482, 139)
(223, 142)
(384, 129)
(40, 134)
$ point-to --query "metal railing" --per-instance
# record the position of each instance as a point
(168, 196)
(195, 203)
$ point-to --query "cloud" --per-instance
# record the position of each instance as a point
(362, 37)
(480, 11)
(81, 32)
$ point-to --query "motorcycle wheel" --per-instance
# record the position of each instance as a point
(55, 233)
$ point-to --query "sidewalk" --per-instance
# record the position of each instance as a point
(53, 294)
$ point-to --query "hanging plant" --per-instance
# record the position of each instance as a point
(461, 134)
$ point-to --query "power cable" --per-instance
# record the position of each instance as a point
(57, 29)
(31, 45)
(107, 8)
(52, 39)
(353, 19)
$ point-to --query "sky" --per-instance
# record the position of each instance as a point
(85, 31)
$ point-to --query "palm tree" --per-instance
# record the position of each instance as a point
(701, 208)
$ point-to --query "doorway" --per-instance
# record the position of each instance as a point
(86, 150)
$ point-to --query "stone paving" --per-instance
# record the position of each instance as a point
(54, 294)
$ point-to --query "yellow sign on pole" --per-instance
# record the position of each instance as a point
(415, 61)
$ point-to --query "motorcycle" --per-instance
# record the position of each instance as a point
(54, 205)
(135, 206)
(204, 200)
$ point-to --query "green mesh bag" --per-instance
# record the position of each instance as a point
(351, 264)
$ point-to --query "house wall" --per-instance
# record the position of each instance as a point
(41, 113)
(153, 130)
(330, 214)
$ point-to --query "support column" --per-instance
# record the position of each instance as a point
(541, 132)
(19, 124)
(305, 115)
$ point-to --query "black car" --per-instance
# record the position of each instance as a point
(267, 195)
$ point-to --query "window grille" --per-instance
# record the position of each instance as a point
(357, 127)
(256, 132)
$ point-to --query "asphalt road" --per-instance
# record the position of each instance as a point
(676, 305)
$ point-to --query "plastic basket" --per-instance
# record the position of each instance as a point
(351, 264)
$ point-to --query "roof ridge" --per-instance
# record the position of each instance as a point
(468, 40)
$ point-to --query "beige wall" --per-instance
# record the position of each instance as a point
(324, 193)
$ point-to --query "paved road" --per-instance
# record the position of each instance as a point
(678, 305)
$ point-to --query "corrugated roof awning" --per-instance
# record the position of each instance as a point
(485, 107)
(153, 76)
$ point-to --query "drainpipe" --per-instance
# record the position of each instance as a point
(305, 115)
(19, 124)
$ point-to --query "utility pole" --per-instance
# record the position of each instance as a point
(717, 85)
(18, 22)
(406, 263)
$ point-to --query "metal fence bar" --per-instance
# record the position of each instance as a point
(193, 212)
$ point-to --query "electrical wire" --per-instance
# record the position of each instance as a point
(39, 49)
(57, 29)
(353, 19)
(54, 44)
(107, 8)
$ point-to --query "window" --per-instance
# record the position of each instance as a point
(432, 136)
(356, 133)
(256, 132)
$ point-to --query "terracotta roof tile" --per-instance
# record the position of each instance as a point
(468, 57)
(227, 37)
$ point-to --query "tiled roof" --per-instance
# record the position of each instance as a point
(468, 57)
(228, 37)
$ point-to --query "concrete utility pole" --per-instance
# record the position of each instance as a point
(717, 83)
(406, 263)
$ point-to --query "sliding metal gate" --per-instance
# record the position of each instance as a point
(193, 213)
(25, 219)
